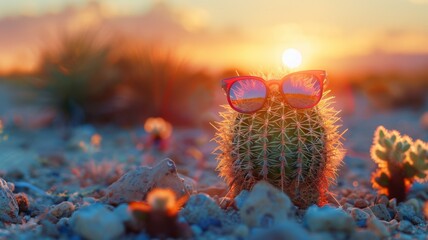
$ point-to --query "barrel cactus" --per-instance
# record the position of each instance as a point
(296, 150)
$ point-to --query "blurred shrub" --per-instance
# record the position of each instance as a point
(391, 91)
(76, 75)
(89, 80)
(164, 86)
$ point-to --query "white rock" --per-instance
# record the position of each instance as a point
(328, 219)
(265, 206)
(8, 206)
(96, 222)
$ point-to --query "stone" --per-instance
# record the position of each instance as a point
(64, 209)
(360, 203)
(135, 184)
(289, 230)
(9, 208)
(203, 211)
(123, 212)
(266, 206)
(360, 217)
(407, 212)
(241, 198)
(378, 227)
(22, 201)
(364, 235)
(328, 219)
(96, 222)
(241, 231)
(381, 212)
(406, 227)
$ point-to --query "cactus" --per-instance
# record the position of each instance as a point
(400, 160)
(158, 215)
(296, 150)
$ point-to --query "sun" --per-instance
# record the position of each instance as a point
(291, 58)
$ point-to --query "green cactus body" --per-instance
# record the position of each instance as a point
(296, 150)
(401, 161)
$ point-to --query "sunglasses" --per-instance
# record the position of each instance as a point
(248, 94)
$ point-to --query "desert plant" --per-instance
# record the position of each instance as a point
(163, 85)
(75, 75)
(400, 160)
(158, 215)
(159, 133)
(296, 150)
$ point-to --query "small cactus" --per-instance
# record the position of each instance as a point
(296, 150)
(158, 215)
(400, 160)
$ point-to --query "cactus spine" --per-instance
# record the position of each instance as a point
(296, 150)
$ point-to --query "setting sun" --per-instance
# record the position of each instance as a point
(291, 58)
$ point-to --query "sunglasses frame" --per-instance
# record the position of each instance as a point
(227, 83)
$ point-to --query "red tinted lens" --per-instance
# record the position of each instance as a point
(302, 90)
(247, 95)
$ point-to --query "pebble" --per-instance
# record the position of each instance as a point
(360, 203)
(64, 209)
(360, 217)
(407, 212)
(96, 222)
(22, 201)
(381, 212)
(289, 230)
(203, 211)
(266, 206)
(241, 198)
(328, 219)
(9, 208)
(382, 199)
(241, 231)
(406, 227)
(123, 212)
(135, 184)
(364, 235)
(378, 227)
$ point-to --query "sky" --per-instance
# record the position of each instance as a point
(232, 34)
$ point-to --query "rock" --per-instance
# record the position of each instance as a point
(135, 184)
(123, 212)
(241, 231)
(265, 206)
(364, 235)
(360, 203)
(391, 225)
(328, 219)
(96, 222)
(407, 212)
(378, 227)
(9, 208)
(360, 217)
(241, 198)
(381, 212)
(50, 229)
(289, 230)
(203, 211)
(64, 209)
(406, 227)
(22, 201)
(382, 199)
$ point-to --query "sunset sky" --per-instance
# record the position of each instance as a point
(231, 34)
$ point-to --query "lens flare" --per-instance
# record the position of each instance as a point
(291, 58)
